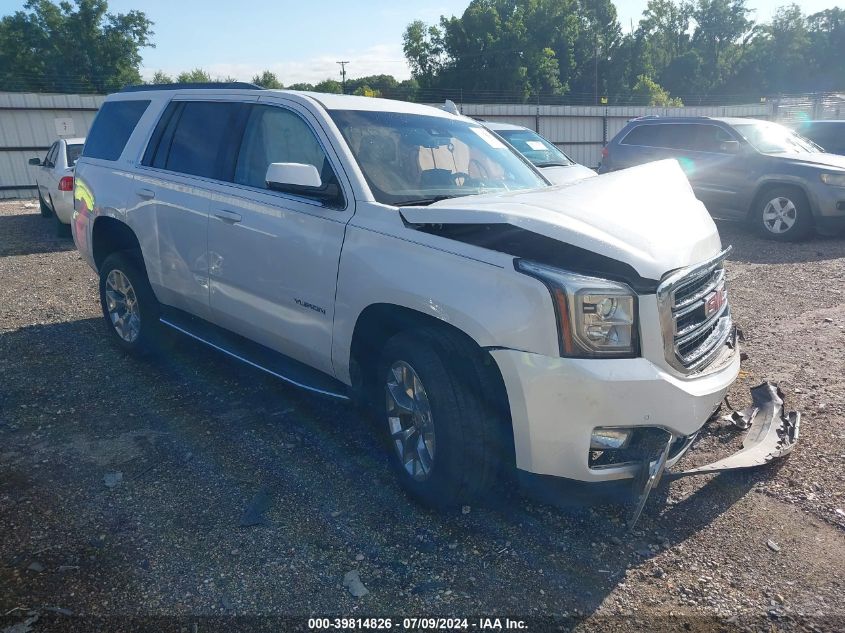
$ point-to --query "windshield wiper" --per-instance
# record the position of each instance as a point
(424, 202)
(553, 164)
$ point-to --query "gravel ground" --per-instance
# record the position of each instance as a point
(197, 440)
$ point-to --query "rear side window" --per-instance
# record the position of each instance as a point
(642, 135)
(112, 128)
(204, 139)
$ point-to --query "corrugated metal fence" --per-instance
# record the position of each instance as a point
(581, 131)
(29, 123)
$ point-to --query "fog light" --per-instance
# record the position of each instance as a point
(609, 438)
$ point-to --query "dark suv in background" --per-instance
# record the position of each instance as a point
(748, 169)
(828, 134)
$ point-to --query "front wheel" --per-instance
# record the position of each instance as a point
(783, 214)
(441, 434)
(130, 308)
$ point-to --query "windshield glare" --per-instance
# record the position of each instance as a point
(535, 148)
(771, 138)
(416, 159)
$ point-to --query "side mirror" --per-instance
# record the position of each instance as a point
(300, 179)
(730, 147)
(35, 161)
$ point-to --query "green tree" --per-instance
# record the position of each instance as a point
(267, 79)
(720, 28)
(301, 86)
(648, 92)
(194, 76)
(74, 46)
(330, 86)
(423, 47)
(160, 77)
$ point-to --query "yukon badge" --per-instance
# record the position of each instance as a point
(310, 306)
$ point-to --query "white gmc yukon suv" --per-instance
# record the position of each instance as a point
(398, 254)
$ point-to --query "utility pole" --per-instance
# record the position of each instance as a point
(596, 69)
(343, 75)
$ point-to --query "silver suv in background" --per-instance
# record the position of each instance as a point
(783, 184)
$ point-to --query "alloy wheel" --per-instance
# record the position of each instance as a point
(410, 420)
(122, 306)
(779, 215)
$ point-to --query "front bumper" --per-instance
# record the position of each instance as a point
(557, 402)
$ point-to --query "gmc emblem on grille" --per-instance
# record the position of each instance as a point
(714, 302)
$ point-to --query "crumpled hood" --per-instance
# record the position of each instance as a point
(646, 216)
(821, 159)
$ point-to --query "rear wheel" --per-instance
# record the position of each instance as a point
(782, 214)
(443, 437)
(130, 308)
(42, 206)
(61, 229)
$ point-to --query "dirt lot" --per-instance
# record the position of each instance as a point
(197, 439)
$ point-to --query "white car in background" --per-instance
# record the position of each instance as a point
(553, 163)
(55, 181)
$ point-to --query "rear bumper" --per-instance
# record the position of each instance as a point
(557, 402)
(63, 206)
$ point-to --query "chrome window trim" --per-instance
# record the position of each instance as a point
(730, 132)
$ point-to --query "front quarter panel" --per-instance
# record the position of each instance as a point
(480, 293)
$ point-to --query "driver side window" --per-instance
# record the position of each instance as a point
(277, 135)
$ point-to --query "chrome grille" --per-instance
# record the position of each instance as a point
(694, 314)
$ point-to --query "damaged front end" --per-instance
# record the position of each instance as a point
(771, 433)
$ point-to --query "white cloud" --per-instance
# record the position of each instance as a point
(378, 59)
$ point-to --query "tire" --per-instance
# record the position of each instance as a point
(782, 214)
(42, 206)
(462, 437)
(139, 333)
(61, 229)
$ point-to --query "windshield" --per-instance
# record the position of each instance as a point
(535, 148)
(73, 152)
(771, 138)
(418, 159)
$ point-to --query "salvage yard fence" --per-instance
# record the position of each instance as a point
(30, 123)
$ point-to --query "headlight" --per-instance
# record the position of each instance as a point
(596, 317)
(837, 180)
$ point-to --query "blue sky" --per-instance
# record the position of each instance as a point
(301, 41)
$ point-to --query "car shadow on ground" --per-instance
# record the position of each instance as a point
(273, 494)
(748, 247)
(29, 233)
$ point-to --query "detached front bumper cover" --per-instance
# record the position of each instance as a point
(772, 433)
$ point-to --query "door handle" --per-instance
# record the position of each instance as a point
(147, 194)
(228, 216)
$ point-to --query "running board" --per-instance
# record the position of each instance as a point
(255, 355)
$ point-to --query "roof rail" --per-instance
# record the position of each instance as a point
(230, 85)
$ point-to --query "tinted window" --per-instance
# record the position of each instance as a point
(73, 152)
(203, 139)
(113, 126)
(642, 135)
(276, 135)
(709, 138)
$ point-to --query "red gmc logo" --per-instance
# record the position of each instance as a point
(714, 302)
